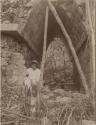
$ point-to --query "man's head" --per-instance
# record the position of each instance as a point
(34, 64)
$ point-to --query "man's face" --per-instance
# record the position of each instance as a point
(34, 66)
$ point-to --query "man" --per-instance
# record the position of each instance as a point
(31, 82)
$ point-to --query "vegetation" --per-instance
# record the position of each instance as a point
(15, 11)
(57, 106)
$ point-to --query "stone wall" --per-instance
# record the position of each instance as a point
(16, 56)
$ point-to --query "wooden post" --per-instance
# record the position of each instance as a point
(44, 44)
(76, 60)
(43, 60)
(91, 21)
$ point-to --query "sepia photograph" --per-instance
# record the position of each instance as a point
(47, 62)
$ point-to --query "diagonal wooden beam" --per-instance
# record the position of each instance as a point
(69, 41)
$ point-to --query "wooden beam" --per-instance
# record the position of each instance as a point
(78, 66)
(45, 43)
(43, 59)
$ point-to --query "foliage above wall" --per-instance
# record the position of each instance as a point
(15, 10)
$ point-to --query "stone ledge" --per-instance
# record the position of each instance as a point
(9, 27)
(15, 30)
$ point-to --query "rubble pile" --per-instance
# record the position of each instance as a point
(56, 107)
